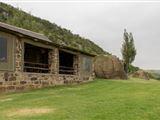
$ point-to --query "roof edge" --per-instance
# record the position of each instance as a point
(44, 39)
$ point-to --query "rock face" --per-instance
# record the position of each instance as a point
(141, 74)
(109, 67)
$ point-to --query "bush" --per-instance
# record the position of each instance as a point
(133, 69)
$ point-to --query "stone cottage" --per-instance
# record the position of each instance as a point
(30, 60)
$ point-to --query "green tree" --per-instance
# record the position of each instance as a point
(128, 50)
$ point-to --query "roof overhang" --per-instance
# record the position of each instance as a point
(36, 37)
(23, 32)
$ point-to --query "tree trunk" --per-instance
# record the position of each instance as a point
(126, 67)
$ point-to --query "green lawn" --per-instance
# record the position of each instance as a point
(98, 100)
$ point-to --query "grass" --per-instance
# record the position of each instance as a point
(132, 99)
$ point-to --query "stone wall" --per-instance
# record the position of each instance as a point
(12, 82)
(19, 80)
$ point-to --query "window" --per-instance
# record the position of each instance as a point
(35, 59)
(3, 49)
(87, 64)
(66, 61)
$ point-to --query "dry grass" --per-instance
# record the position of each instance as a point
(6, 99)
(28, 112)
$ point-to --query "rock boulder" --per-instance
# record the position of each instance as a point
(109, 67)
(141, 74)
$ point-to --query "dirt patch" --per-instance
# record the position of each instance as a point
(7, 99)
(28, 112)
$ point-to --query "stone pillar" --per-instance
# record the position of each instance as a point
(92, 72)
(75, 65)
(54, 61)
(18, 56)
(79, 68)
(19, 61)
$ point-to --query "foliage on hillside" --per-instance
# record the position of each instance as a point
(62, 36)
(155, 74)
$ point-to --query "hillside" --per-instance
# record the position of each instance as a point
(154, 74)
(62, 36)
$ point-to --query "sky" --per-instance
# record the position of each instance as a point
(104, 24)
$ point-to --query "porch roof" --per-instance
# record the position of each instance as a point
(24, 32)
(20, 31)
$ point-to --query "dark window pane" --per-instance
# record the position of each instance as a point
(3, 49)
